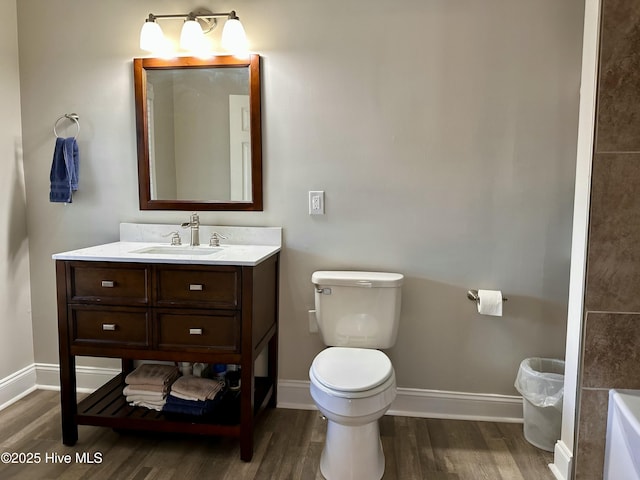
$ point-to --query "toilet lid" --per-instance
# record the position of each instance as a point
(351, 369)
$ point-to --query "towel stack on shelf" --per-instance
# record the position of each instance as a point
(191, 395)
(148, 385)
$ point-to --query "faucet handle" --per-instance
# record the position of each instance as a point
(175, 238)
(215, 239)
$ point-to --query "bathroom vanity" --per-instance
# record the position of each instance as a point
(141, 300)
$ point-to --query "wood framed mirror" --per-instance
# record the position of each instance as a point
(198, 127)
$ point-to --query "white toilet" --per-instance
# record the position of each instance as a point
(353, 383)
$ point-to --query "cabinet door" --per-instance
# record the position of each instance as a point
(198, 330)
(212, 287)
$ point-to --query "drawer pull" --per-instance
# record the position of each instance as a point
(195, 331)
(195, 287)
(108, 283)
(111, 327)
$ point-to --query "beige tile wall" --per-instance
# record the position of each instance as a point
(611, 337)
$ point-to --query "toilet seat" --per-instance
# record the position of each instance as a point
(352, 372)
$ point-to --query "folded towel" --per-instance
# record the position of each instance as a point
(189, 407)
(150, 405)
(153, 374)
(142, 395)
(182, 410)
(189, 387)
(171, 398)
(189, 398)
(64, 170)
(143, 398)
(143, 388)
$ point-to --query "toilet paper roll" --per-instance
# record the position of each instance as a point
(490, 302)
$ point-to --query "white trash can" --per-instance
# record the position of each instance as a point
(540, 381)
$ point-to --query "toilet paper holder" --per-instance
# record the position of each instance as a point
(473, 295)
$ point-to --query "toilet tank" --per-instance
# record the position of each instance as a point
(358, 309)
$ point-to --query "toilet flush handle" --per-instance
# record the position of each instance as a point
(324, 291)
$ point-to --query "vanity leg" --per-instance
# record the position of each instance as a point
(68, 400)
(246, 411)
(273, 369)
(246, 446)
(127, 366)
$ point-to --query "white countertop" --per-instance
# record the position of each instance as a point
(243, 255)
(245, 246)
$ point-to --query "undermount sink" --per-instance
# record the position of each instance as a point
(175, 250)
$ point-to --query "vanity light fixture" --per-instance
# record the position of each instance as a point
(196, 25)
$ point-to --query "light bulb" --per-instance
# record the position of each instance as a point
(191, 37)
(151, 37)
(234, 39)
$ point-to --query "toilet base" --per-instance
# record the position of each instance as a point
(352, 452)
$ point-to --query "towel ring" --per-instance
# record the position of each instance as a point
(69, 116)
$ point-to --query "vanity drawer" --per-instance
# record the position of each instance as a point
(109, 284)
(217, 287)
(197, 330)
(110, 327)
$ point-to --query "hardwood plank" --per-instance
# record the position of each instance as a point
(505, 463)
(440, 445)
(469, 450)
(15, 416)
(425, 448)
(405, 448)
(272, 460)
(532, 462)
(319, 428)
(311, 461)
(390, 463)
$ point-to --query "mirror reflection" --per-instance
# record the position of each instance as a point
(198, 133)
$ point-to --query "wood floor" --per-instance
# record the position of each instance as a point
(288, 446)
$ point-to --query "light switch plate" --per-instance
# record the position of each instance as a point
(316, 203)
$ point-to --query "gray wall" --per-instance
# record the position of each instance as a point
(16, 340)
(443, 133)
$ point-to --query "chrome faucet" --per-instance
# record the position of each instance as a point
(194, 224)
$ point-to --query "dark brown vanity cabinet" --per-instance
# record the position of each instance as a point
(172, 312)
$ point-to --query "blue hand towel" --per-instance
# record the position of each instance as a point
(64, 170)
(190, 407)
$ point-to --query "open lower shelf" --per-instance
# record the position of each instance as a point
(107, 407)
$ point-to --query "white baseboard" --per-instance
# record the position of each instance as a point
(46, 376)
(88, 379)
(17, 385)
(295, 394)
(413, 402)
(562, 461)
